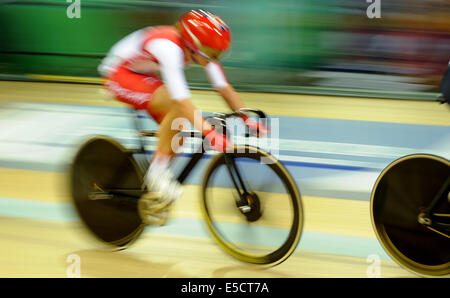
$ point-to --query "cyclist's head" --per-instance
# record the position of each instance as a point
(204, 33)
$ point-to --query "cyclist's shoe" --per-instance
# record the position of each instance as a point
(163, 190)
(153, 210)
(164, 183)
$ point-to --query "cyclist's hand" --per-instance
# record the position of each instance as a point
(218, 141)
(256, 128)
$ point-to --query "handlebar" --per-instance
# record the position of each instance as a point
(220, 117)
(238, 113)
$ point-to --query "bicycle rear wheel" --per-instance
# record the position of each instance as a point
(404, 190)
(267, 228)
(101, 168)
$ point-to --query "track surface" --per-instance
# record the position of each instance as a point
(335, 149)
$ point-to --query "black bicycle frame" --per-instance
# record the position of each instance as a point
(426, 215)
(235, 175)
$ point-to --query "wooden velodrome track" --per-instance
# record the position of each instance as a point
(33, 247)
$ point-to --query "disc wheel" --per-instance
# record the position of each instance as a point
(401, 193)
(100, 166)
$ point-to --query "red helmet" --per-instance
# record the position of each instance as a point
(205, 33)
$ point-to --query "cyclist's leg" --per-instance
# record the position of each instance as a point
(149, 93)
(163, 188)
(158, 176)
(161, 104)
(146, 92)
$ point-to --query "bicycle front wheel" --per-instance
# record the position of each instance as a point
(266, 229)
(404, 190)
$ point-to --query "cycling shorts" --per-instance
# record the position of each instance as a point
(134, 89)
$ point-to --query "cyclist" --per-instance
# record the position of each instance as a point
(146, 70)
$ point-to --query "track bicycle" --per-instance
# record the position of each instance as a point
(410, 210)
(253, 209)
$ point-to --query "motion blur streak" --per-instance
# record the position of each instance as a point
(321, 46)
(352, 83)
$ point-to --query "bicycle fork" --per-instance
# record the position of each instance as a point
(242, 202)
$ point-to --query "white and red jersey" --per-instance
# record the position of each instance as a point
(158, 49)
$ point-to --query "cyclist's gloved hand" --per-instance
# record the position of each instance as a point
(218, 141)
(256, 128)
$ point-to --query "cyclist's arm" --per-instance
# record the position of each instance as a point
(231, 97)
(220, 82)
(171, 60)
(188, 111)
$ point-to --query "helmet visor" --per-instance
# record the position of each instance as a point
(210, 53)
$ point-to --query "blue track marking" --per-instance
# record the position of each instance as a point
(326, 157)
(45, 137)
(310, 241)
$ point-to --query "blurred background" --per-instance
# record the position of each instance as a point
(310, 46)
(339, 125)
